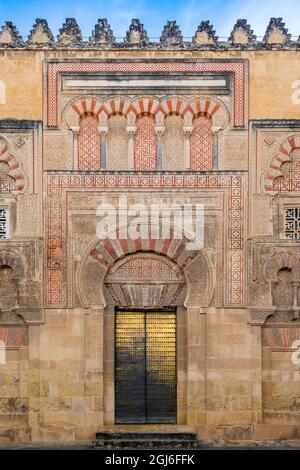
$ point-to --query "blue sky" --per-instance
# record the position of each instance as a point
(153, 13)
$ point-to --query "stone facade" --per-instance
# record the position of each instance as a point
(201, 122)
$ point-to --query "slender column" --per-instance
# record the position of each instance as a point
(103, 136)
(131, 130)
(187, 147)
(75, 130)
(215, 130)
(159, 133)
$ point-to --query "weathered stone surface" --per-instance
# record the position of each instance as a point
(70, 33)
(41, 33)
(10, 36)
(171, 35)
(205, 34)
(136, 35)
(242, 34)
(103, 34)
(276, 33)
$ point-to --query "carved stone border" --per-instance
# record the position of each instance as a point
(58, 186)
(54, 69)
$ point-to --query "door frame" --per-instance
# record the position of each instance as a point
(109, 364)
(144, 311)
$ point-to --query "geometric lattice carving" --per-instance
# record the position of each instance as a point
(202, 145)
(146, 267)
(55, 68)
(60, 183)
(145, 149)
(3, 223)
(132, 283)
(7, 183)
(292, 223)
(89, 145)
(287, 152)
(290, 171)
(11, 174)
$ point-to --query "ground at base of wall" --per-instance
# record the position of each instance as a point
(268, 445)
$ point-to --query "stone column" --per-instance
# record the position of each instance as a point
(93, 380)
(159, 133)
(75, 130)
(103, 137)
(187, 147)
(131, 130)
(196, 365)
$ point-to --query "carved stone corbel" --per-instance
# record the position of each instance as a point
(259, 316)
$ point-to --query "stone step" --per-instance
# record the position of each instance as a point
(146, 435)
(145, 440)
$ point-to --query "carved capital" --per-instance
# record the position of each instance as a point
(103, 130)
(75, 129)
(259, 316)
(131, 130)
(159, 131)
(188, 131)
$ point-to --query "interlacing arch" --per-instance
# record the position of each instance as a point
(113, 106)
(73, 112)
(15, 170)
(14, 261)
(100, 255)
(206, 105)
(281, 260)
(282, 155)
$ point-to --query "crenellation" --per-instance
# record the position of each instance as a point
(242, 34)
(171, 35)
(70, 33)
(102, 34)
(241, 37)
(40, 33)
(136, 35)
(276, 33)
(205, 35)
(10, 36)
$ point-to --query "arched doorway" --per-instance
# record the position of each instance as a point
(113, 275)
(144, 291)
